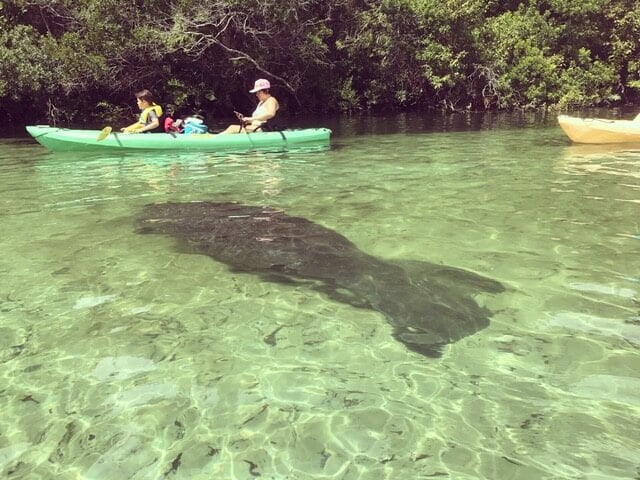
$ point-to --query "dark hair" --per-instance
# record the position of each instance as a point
(145, 95)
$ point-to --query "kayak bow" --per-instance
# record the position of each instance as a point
(599, 130)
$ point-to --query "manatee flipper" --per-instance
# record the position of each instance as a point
(425, 271)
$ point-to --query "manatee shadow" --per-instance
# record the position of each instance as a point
(428, 305)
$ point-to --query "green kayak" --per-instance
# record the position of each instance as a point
(64, 139)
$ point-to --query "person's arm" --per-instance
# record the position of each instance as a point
(134, 127)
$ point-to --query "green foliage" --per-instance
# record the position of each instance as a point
(587, 82)
(377, 51)
(348, 99)
(522, 59)
(63, 57)
(24, 66)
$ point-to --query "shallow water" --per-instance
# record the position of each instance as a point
(124, 359)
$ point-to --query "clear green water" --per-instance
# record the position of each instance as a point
(123, 359)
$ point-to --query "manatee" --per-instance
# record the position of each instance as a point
(428, 305)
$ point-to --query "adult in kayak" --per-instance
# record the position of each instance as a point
(150, 119)
(266, 110)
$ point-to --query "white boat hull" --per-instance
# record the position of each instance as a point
(599, 130)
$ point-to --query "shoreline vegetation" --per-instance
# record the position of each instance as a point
(70, 62)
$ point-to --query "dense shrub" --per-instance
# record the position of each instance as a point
(79, 60)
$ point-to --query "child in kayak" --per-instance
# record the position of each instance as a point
(150, 115)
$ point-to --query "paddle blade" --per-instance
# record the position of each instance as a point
(104, 133)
